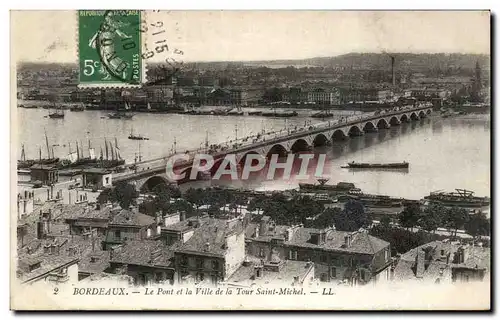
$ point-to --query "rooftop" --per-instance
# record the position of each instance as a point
(130, 218)
(94, 262)
(31, 267)
(212, 232)
(287, 272)
(143, 253)
(361, 241)
(428, 260)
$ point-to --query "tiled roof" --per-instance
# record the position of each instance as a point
(94, 262)
(361, 242)
(413, 264)
(144, 253)
(89, 213)
(48, 263)
(130, 218)
(213, 232)
(245, 275)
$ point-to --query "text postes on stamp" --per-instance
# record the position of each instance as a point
(110, 48)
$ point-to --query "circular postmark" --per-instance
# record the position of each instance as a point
(122, 52)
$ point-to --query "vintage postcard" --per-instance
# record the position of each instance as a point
(250, 160)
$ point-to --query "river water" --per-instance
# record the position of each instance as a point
(444, 154)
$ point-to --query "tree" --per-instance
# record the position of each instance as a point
(456, 218)
(123, 193)
(353, 217)
(478, 225)
(429, 222)
(408, 218)
(385, 222)
(325, 219)
(195, 196)
(432, 217)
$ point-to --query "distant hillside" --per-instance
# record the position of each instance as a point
(403, 61)
(374, 61)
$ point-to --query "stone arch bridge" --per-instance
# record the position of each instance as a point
(285, 142)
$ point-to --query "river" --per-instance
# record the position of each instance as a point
(444, 154)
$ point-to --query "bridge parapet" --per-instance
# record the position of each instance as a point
(289, 137)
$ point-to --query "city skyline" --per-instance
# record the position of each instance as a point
(206, 36)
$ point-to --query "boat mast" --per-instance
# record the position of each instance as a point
(112, 151)
(23, 155)
(47, 143)
(106, 145)
(40, 153)
(77, 152)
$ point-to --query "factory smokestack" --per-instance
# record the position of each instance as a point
(393, 72)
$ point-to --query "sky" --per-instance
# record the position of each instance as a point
(51, 36)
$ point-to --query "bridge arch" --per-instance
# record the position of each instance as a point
(152, 183)
(355, 131)
(369, 127)
(339, 135)
(394, 121)
(429, 111)
(414, 116)
(383, 124)
(276, 149)
(320, 140)
(299, 145)
(421, 114)
(404, 118)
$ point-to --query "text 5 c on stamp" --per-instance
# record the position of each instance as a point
(109, 44)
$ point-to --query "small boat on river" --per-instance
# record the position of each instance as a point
(133, 136)
(361, 165)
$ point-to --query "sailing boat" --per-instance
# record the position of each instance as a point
(113, 151)
(57, 114)
(132, 136)
(120, 114)
(24, 163)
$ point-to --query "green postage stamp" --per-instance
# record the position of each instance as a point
(109, 46)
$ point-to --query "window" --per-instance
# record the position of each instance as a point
(117, 234)
(261, 252)
(200, 276)
(442, 252)
(107, 180)
(199, 263)
(323, 258)
(215, 264)
(333, 272)
(292, 255)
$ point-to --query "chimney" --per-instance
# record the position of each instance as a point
(393, 72)
(257, 231)
(347, 240)
(158, 229)
(158, 218)
(40, 234)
